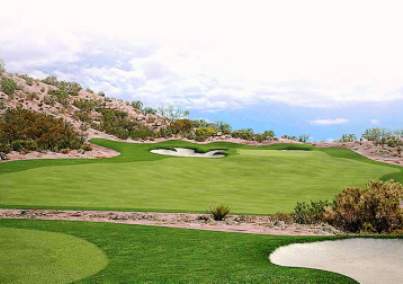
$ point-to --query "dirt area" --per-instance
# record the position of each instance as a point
(96, 152)
(233, 223)
(381, 153)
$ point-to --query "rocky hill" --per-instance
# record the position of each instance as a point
(89, 113)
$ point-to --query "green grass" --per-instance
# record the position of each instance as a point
(32, 256)
(255, 180)
(145, 254)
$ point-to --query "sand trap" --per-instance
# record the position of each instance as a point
(183, 152)
(365, 260)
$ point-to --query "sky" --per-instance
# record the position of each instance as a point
(321, 68)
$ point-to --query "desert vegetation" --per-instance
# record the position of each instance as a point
(219, 212)
(373, 208)
(24, 130)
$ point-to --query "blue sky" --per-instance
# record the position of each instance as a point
(293, 66)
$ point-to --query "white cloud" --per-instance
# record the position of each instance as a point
(374, 121)
(209, 54)
(330, 121)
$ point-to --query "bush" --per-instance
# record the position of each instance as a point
(71, 88)
(86, 147)
(61, 96)
(5, 148)
(310, 213)
(141, 132)
(26, 130)
(181, 126)
(246, 134)
(375, 208)
(86, 105)
(219, 212)
(202, 133)
(28, 80)
(8, 86)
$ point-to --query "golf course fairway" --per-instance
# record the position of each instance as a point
(256, 180)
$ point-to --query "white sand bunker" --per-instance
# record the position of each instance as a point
(183, 152)
(365, 260)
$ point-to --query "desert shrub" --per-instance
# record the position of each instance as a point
(32, 96)
(71, 88)
(86, 105)
(310, 213)
(287, 218)
(83, 115)
(393, 141)
(5, 148)
(202, 133)
(116, 122)
(348, 138)
(149, 110)
(28, 80)
(246, 134)
(86, 147)
(181, 126)
(165, 132)
(137, 105)
(8, 86)
(141, 132)
(219, 212)
(26, 130)
(49, 100)
(24, 145)
(375, 207)
(61, 96)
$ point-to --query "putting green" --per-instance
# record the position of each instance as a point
(31, 256)
(249, 179)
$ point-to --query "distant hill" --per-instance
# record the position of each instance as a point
(89, 113)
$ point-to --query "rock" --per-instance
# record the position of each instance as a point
(3, 156)
(204, 218)
(279, 223)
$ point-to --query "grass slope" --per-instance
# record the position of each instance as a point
(141, 254)
(250, 179)
(32, 256)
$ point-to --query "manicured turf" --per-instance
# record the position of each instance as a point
(249, 180)
(32, 256)
(141, 254)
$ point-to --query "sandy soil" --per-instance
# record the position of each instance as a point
(365, 260)
(234, 223)
(96, 152)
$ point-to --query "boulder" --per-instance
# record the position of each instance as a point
(3, 156)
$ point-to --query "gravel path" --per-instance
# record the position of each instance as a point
(234, 223)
